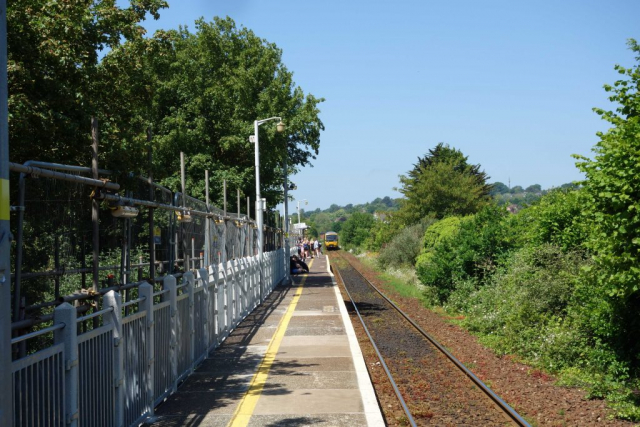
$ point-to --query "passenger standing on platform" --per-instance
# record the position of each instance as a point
(306, 247)
(316, 247)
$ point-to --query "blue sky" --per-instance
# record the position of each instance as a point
(511, 84)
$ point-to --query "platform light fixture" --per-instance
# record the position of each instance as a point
(122, 211)
(306, 202)
(260, 205)
(184, 216)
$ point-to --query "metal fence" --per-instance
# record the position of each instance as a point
(129, 339)
(117, 373)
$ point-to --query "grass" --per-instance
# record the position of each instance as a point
(401, 280)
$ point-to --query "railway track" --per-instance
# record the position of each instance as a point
(432, 386)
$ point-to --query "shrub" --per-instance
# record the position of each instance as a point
(613, 179)
(356, 229)
(526, 308)
(473, 252)
(405, 246)
(558, 218)
(382, 233)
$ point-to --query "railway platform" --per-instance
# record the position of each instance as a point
(294, 361)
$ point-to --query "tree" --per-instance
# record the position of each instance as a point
(209, 87)
(442, 183)
(55, 78)
(322, 222)
(498, 188)
(442, 153)
(356, 229)
(612, 182)
(611, 292)
(535, 188)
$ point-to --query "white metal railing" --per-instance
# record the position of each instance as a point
(115, 374)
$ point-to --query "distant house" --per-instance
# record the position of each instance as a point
(340, 219)
(514, 209)
(381, 216)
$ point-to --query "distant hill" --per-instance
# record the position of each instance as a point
(519, 196)
(384, 204)
(331, 219)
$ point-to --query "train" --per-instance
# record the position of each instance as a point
(331, 240)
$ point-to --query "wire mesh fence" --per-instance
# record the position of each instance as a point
(76, 241)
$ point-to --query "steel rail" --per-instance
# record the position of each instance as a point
(37, 333)
(494, 397)
(48, 173)
(405, 408)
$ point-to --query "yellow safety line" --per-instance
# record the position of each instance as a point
(247, 405)
(5, 208)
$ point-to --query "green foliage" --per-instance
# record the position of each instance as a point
(442, 184)
(558, 218)
(558, 283)
(443, 229)
(437, 232)
(612, 182)
(356, 229)
(198, 92)
(498, 188)
(517, 196)
(209, 88)
(382, 233)
(55, 80)
(405, 246)
(473, 252)
(331, 218)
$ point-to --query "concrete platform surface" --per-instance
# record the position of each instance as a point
(295, 361)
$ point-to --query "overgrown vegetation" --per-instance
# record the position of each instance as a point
(557, 283)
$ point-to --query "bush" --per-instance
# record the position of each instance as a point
(526, 307)
(427, 268)
(382, 233)
(356, 229)
(473, 252)
(404, 247)
(558, 218)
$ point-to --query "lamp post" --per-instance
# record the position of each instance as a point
(260, 204)
(306, 202)
(287, 250)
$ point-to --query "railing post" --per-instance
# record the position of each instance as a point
(203, 275)
(254, 281)
(220, 302)
(169, 283)
(228, 300)
(114, 300)
(145, 291)
(269, 280)
(215, 301)
(283, 271)
(190, 279)
(244, 286)
(66, 313)
(236, 291)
